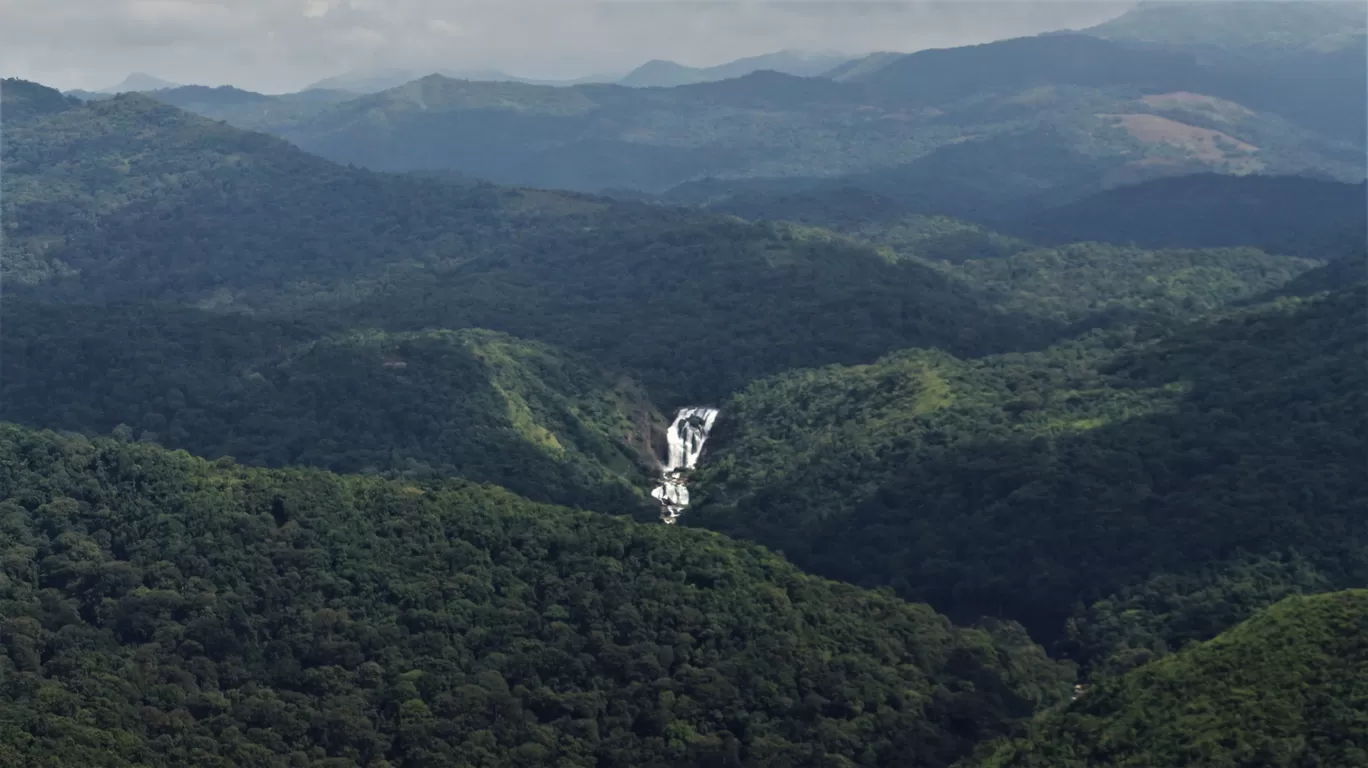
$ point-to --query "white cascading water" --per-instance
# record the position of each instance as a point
(686, 437)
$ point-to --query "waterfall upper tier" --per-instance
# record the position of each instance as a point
(686, 437)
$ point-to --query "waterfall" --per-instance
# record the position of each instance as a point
(686, 437)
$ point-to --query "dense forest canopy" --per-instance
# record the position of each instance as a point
(1304, 659)
(161, 610)
(466, 403)
(1031, 485)
(355, 281)
(694, 304)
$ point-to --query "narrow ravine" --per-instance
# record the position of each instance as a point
(686, 437)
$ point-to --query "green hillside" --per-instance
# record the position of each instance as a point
(1031, 486)
(161, 610)
(1288, 687)
(286, 291)
(467, 403)
(1095, 284)
(1285, 226)
(1191, 221)
(130, 200)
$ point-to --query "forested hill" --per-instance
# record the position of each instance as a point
(1289, 687)
(130, 200)
(1116, 111)
(475, 404)
(1185, 243)
(1265, 26)
(1155, 484)
(1207, 210)
(159, 610)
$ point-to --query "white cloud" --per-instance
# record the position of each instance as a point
(278, 45)
(446, 28)
(314, 9)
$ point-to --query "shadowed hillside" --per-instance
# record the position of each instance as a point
(1285, 688)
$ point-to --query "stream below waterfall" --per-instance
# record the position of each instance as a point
(686, 437)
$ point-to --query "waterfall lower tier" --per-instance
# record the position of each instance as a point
(686, 437)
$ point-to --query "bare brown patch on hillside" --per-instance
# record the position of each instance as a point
(1204, 144)
(1209, 105)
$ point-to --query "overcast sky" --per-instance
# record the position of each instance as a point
(282, 45)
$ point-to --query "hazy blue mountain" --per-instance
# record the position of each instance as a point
(1319, 90)
(139, 82)
(23, 100)
(1126, 126)
(861, 67)
(660, 73)
(1322, 26)
(248, 109)
(938, 75)
(373, 81)
(85, 95)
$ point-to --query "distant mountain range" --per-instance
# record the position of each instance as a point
(1034, 121)
(659, 73)
(364, 81)
(653, 74)
(139, 82)
(1044, 118)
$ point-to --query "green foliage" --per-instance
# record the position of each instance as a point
(467, 403)
(1030, 486)
(141, 202)
(1347, 270)
(879, 220)
(1125, 494)
(1171, 610)
(940, 238)
(161, 610)
(1092, 283)
(1288, 687)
